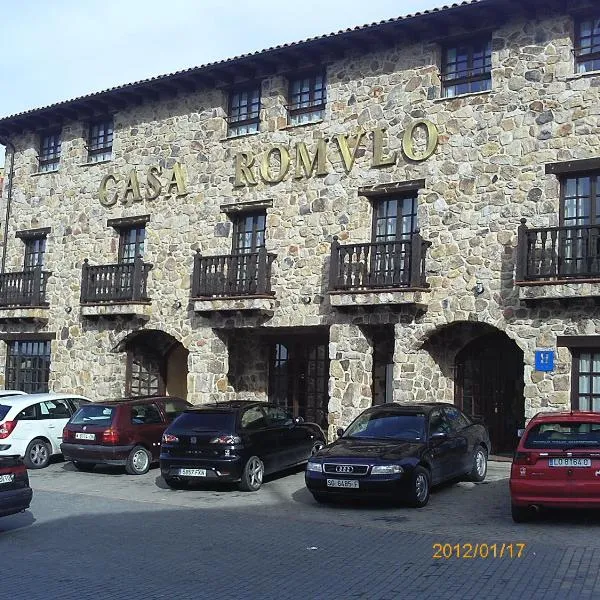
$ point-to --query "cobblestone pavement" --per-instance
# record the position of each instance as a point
(107, 535)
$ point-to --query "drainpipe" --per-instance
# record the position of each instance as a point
(9, 144)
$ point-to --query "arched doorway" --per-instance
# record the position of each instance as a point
(489, 384)
(157, 364)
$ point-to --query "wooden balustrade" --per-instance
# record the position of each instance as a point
(122, 282)
(24, 288)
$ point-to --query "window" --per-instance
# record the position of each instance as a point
(586, 376)
(244, 111)
(145, 414)
(91, 414)
(253, 418)
(467, 68)
(278, 416)
(49, 157)
(456, 419)
(100, 141)
(173, 408)
(35, 247)
(438, 422)
(249, 233)
(307, 98)
(30, 413)
(587, 45)
(28, 366)
(131, 243)
(564, 435)
(145, 375)
(55, 409)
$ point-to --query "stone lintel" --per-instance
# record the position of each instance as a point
(376, 298)
(142, 310)
(265, 306)
(28, 313)
(559, 291)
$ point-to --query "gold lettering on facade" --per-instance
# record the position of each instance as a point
(177, 181)
(132, 187)
(153, 183)
(379, 160)
(348, 156)
(305, 166)
(102, 192)
(284, 164)
(408, 141)
(243, 164)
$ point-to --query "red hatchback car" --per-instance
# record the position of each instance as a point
(123, 432)
(557, 464)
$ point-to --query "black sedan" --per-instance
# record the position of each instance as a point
(15, 493)
(235, 441)
(400, 451)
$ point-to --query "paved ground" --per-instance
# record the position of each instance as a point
(107, 535)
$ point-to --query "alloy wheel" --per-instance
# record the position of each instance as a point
(255, 472)
(140, 460)
(38, 455)
(480, 463)
(421, 487)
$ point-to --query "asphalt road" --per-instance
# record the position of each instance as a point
(110, 536)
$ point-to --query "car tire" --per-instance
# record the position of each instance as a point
(176, 484)
(322, 498)
(138, 461)
(37, 454)
(81, 466)
(520, 514)
(480, 464)
(420, 485)
(252, 476)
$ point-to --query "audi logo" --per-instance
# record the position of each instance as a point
(344, 469)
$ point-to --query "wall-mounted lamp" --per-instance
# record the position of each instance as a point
(479, 289)
(177, 304)
(305, 299)
(68, 309)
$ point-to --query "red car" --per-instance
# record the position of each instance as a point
(124, 432)
(557, 464)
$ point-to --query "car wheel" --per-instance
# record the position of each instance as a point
(419, 488)
(138, 461)
(80, 466)
(480, 462)
(176, 484)
(37, 455)
(520, 514)
(317, 446)
(252, 476)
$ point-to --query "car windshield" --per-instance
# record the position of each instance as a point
(3, 410)
(205, 421)
(388, 425)
(91, 414)
(563, 435)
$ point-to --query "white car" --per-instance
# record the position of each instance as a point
(4, 393)
(31, 425)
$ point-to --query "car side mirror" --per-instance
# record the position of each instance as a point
(298, 421)
(438, 436)
(339, 431)
(520, 433)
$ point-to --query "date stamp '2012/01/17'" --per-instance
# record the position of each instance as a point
(472, 551)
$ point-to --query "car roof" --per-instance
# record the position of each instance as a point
(572, 415)
(138, 400)
(229, 405)
(27, 399)
(425, 407)
(7, 393)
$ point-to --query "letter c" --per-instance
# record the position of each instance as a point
(104, 200)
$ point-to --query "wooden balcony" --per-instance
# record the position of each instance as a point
(391, 273)
(558, 263)
(23, 295)
(115, 290)
(233, 282)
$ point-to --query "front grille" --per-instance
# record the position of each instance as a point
(335, 469)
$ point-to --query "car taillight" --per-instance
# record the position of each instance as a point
(226, 439)
(523, 458)
(110, 436)
(6, 428)
(168, 438)
(66, 434)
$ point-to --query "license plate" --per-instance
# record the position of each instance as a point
(342, 483)
(7, 478)
(85, 436)
(192, 472)
(570, 462)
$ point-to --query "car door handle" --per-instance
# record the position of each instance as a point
(51, 426)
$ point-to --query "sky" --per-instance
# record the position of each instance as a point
(60, 49)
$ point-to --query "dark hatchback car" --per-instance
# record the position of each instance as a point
(399, 451)
(15, 493)
(123, 432)
(235, 441)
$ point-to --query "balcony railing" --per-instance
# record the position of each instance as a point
(123, 282)
(378, 266)
(24, 288)
(558, 253)
(232, 275)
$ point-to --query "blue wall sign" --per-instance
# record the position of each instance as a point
(544, 360)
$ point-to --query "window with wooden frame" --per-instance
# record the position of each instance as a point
(100, 140)
(307, 98)
(49, 156)
(249, 232)
(587, 44)
(28, 365)
(467, 67)
(131, 243)
(585, 389)
(243, 111)
(145, 374)
(35, 248)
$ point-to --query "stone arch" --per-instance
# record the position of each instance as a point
(157, 363)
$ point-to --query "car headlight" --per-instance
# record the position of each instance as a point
(386, 470)
(317, 467)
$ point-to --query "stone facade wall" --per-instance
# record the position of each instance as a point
(486, 174)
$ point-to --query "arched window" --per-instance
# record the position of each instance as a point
(145, 374)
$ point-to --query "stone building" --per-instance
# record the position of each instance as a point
(397, 212)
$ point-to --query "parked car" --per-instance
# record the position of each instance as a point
(31, 425)
(235, 442)
(124, 432)
(556, 464)
(400, 451)
(15, 493)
